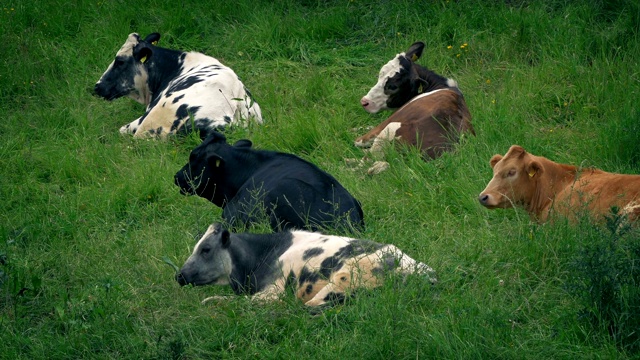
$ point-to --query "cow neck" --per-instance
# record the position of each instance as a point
(433, 80)
(163, 66)
(548, 185)
(242, 173)
(253, 256)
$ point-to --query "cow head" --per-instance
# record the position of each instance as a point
(398, 82)
(127, 75)
(210, 262)
(515, 179)
(205, 173)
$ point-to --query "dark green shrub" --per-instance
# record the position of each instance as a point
(606, 280)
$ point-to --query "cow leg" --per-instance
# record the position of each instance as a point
(385, 136)
(333, 291)
(157, 121)
(270, 293)
(131, 128)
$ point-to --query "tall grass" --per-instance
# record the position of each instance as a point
(90, 219)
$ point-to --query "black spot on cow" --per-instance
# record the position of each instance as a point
(357, 247)
(389, 262)
(159, 130)
(330, 265)
(227, 119)
(307, 276)
(184, 111)
(176, 124)
(313, 252)
(335, 298)
(177, 98)
(183, 84)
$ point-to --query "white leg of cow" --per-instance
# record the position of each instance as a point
(270, 293)
(386, 135)
(406, 265)
(130, 128)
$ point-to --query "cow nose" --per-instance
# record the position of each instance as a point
(180, 279)
(364, 102)
(483, 198)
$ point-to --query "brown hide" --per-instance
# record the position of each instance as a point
(433, 123)
(540, 186)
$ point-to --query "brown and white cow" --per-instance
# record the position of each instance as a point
(542, 186)
(321, 268)
(432, 111)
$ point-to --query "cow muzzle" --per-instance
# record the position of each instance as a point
(486, 200)
(181, 279)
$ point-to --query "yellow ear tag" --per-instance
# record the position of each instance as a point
(218, 163)
(420, 89)
(154, 43)
(143, 59)
(532, 173)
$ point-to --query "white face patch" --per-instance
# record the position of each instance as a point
(125, 50)
(376, 99)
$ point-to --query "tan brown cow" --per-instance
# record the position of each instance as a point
(432, 112)
(542, 186)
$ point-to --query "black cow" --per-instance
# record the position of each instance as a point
(177, 88)
(253, 184)
(321, 268)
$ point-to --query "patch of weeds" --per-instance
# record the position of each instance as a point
(606, 280)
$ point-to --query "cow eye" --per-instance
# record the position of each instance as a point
(205, 250)
(512, 172)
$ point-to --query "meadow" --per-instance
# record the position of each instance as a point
(90, 220)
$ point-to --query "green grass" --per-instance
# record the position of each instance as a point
(90, 219)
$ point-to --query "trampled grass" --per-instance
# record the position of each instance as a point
(90, 219)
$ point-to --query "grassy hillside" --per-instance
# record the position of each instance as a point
(89, 218)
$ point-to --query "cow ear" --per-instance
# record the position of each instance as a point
(142, 53)
(243, 143)
(216, 161)
(225, 238)
(494, 160)
(418, 84)
(534, 169)
(415, 51)
(215, 137)
(516, 150)
(152, 38)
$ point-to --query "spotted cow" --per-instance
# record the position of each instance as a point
(251, 185)
(181, 90)
(432, 112)
(543, 187)
(320, 268)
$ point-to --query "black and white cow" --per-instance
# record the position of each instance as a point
(177, 87)
(432, 112)
(251, 185)
(321, 268)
